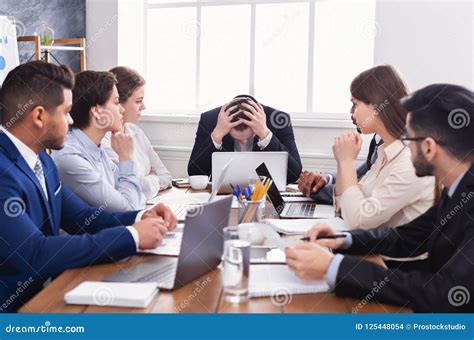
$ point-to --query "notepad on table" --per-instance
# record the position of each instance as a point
(276, 279)
(300, 226)
(119, 294)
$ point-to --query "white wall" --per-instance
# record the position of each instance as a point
(102, 34)
(428, 41)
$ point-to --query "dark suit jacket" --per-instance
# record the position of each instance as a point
(441, 282)
(31, 250)
(283, 139)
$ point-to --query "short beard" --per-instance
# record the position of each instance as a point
(422, 166)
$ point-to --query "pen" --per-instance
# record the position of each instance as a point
(325, 237)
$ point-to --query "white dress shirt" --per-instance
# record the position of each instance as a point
(248, 145)
(146, 160)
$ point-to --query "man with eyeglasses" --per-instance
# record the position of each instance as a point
(439, 133)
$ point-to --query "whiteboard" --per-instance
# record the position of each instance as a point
(8, 46)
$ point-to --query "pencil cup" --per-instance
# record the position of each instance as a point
(251, 211)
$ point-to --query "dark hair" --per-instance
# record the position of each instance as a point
(33, 84)
(92, 88)
(446, 113)
(239, 100)
(383, 87)
(128, 80)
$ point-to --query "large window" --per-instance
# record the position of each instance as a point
(298, 56)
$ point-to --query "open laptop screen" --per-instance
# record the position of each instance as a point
(273, 193)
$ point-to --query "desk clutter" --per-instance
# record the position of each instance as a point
(249, 253)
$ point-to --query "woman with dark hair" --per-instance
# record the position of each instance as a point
(390, 193)
(151, 171)
(83, 164)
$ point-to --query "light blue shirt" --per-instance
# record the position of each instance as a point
(333, 268)
(455, 184)
(88, 171)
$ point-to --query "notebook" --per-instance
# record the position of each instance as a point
(301, 226)
(276, 279)
(119, 294)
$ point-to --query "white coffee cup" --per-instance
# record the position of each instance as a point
(251, 232)
(199, 182)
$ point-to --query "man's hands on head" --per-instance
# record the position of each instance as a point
(224, 121)
(311, 182)
(257, 118)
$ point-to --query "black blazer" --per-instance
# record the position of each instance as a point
(438, 284)
(283, 139)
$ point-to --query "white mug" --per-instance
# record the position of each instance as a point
(199, 182)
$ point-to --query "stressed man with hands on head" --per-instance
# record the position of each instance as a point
(243, 124)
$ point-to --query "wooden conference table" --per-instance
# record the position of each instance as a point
(203, 295)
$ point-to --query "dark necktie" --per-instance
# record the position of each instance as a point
(372, 156)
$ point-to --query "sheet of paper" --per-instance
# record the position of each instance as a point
(180, 197)
(300, 226)
(272, 236)
(170, 246)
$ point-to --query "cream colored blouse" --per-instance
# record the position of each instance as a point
(390, 194)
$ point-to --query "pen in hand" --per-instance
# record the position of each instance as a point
(325, 237)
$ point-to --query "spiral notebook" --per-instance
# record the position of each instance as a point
(275, 279)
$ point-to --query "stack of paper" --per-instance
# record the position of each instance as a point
(301, 226)
(119, 294)
(276, 279)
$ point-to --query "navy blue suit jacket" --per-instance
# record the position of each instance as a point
(31, 250)
(283, 139)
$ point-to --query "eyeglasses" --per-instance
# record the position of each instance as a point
(406, 140)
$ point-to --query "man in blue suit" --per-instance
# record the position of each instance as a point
(35, 100)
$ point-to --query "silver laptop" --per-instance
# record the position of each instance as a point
(244, 164)
(200, 252)
(293, 210)
(181, 210)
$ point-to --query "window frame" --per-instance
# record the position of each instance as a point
(306, 116)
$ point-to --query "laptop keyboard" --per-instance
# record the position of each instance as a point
(163, 274)
(306, 210)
